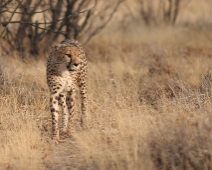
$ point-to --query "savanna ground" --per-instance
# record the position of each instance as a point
(150, 104)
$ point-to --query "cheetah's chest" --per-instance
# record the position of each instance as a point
(69, 81)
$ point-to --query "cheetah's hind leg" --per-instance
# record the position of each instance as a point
(83, 91)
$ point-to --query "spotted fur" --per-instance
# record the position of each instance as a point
(66, 69)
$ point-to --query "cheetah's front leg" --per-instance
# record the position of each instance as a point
(54, 102)
(70, 100)
(65, 115)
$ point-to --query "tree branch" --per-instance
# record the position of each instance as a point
(69, 16)
(98, 29)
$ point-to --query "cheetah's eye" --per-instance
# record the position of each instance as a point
(76, 64)
(69, 55)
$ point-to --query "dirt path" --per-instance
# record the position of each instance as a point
(64, 156)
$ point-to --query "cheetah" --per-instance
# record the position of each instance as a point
(66, 69)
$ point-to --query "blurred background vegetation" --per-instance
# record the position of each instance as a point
(35, 24)
(31, 27)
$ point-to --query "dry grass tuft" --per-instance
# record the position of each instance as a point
(21, 103)
(182, 143)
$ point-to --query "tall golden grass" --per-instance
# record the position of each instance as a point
(149, 106)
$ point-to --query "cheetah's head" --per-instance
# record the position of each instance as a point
(70, 54)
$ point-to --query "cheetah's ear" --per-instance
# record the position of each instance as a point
(56, 47)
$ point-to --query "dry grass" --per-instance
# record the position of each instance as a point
(149, 105)
(23, 101)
